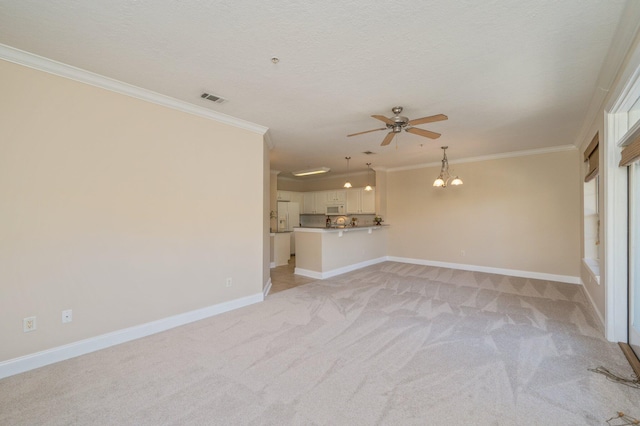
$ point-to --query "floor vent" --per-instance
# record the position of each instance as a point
(368, 152)
(213, 98)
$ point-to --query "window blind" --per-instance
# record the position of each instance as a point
(631, 152)
(591, 155)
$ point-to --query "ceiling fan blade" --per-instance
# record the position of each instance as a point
(430, 119)
(383, 118)
(367, 131)
(387, 140)
(425, 133)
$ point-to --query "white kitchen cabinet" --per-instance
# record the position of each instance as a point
(369, 201)
(316, 202)
(297, 197)
(360, 201)
(321, 202)
(354, 201)
(309, 202)
(284, 196)
(336, 197)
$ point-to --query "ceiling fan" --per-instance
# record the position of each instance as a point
(396, 123)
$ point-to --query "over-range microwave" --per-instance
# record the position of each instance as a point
(336, 209)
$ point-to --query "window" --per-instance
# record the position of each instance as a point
(591, 209)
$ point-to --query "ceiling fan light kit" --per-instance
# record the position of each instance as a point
(308, 172)
(443, 179)
(398, 122)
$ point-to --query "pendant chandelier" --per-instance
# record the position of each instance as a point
(347, 184)
(443, 180)
(368, 187)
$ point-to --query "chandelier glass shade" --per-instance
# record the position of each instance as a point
(443, 179)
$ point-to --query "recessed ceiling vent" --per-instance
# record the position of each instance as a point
(213, 98)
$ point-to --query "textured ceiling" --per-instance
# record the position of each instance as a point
(511, 75)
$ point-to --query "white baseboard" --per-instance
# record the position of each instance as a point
(272, 265)
(338, 271)
(308, 273)
(266, 289)
(511, 272)
(82, 347)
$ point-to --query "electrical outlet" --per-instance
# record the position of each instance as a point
(29, 324)
(67, 316)
(463, 253)
(229, 282)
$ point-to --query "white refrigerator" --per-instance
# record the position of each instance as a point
(288, 218)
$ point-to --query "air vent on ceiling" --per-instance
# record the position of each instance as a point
(213, 98)
(368, 152)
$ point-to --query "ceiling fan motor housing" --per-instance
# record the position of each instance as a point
(399, 121)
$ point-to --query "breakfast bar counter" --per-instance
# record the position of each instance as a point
(326, 252)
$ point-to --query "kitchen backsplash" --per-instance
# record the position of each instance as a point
(319, 220)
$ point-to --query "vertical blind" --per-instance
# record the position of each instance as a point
(591, 155)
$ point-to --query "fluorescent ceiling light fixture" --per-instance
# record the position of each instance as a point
(316, 171)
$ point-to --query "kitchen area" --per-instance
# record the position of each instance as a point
(328, 231)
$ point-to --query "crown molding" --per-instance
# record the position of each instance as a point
(268, 140)
(513, 154)
(20, 57)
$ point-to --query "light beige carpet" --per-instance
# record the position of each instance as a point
(389, 344)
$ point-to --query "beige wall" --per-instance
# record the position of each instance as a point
(266, 209)
(352, 247)
(118, 209)
(518, 213)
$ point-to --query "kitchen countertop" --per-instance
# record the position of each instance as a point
(279, 232)
(337, 229)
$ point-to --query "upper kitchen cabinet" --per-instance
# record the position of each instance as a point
(297, 197)
(369, 201)
(284, 195)
(313, 203)
(360, 201)
(336, 197)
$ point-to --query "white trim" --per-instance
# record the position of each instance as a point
(513, 154)
(338, 271)
(82, 347)
(614, 218)
(268, 140)
(266, 289)
(595, 307)
(272, 265)
(511, 272)
(308, 273)
(50, 66)
(593, 266)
